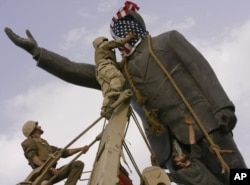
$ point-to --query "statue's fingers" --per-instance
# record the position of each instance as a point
(30, 36)
(7, 30)
(12, 35)
(28, 33)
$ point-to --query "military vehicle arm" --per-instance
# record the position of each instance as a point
(107, 162)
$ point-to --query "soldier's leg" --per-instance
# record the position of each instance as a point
(111, 81)
(105, 86)
(105, 106)
(117, 81)
(112, 75)
(72, 172)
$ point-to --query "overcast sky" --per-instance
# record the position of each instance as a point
(219, 29)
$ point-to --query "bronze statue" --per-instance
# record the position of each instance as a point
(190, 72)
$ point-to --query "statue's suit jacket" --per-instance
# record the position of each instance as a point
(189, 69)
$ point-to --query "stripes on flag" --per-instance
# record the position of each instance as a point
(123, 23)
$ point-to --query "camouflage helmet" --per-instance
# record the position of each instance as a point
(29, 127)
(98, 41)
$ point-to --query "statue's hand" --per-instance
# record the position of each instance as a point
(29, 44)
(226, 119)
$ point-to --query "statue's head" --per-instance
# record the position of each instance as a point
(125, 21)
(138, 18)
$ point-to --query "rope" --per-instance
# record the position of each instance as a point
(74, 159)
(214, 148)
(139, 98)
(144, 137)
(141, 132)
(154, 125)
(132, 159)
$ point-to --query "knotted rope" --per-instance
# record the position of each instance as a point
(154, 125)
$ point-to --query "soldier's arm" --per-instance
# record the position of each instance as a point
(189, 121)
(128, 37)
(73, 151)
(37, 161)
(122, 41)
(29, 148)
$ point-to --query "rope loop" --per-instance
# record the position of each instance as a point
(214, 147)
(154, 125)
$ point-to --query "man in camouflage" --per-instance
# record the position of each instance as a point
(108, 75)
(38, 150)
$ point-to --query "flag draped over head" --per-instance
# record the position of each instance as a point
(123, 23)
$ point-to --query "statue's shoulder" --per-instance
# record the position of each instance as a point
(170, 34)
(170, 38)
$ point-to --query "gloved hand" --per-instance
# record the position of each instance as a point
(226, 119)
(29, 44)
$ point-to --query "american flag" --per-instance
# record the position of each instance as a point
(123, 11)
(123, 23)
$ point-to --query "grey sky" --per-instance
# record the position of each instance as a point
(219, 29)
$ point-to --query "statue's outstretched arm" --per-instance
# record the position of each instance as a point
(82, 74)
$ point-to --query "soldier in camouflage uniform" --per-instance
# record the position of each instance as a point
(107, 73)
(37, 151)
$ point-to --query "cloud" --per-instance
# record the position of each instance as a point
(84, 14)
(73, 37)
(77, 43)
(13, 164)
(106, 5)
(150, 18)
(229, 56)
(185, 25)
(182, 26)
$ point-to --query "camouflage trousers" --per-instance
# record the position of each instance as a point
(70, 172)
(111, 80)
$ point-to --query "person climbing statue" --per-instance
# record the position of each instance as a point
(108, 74)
